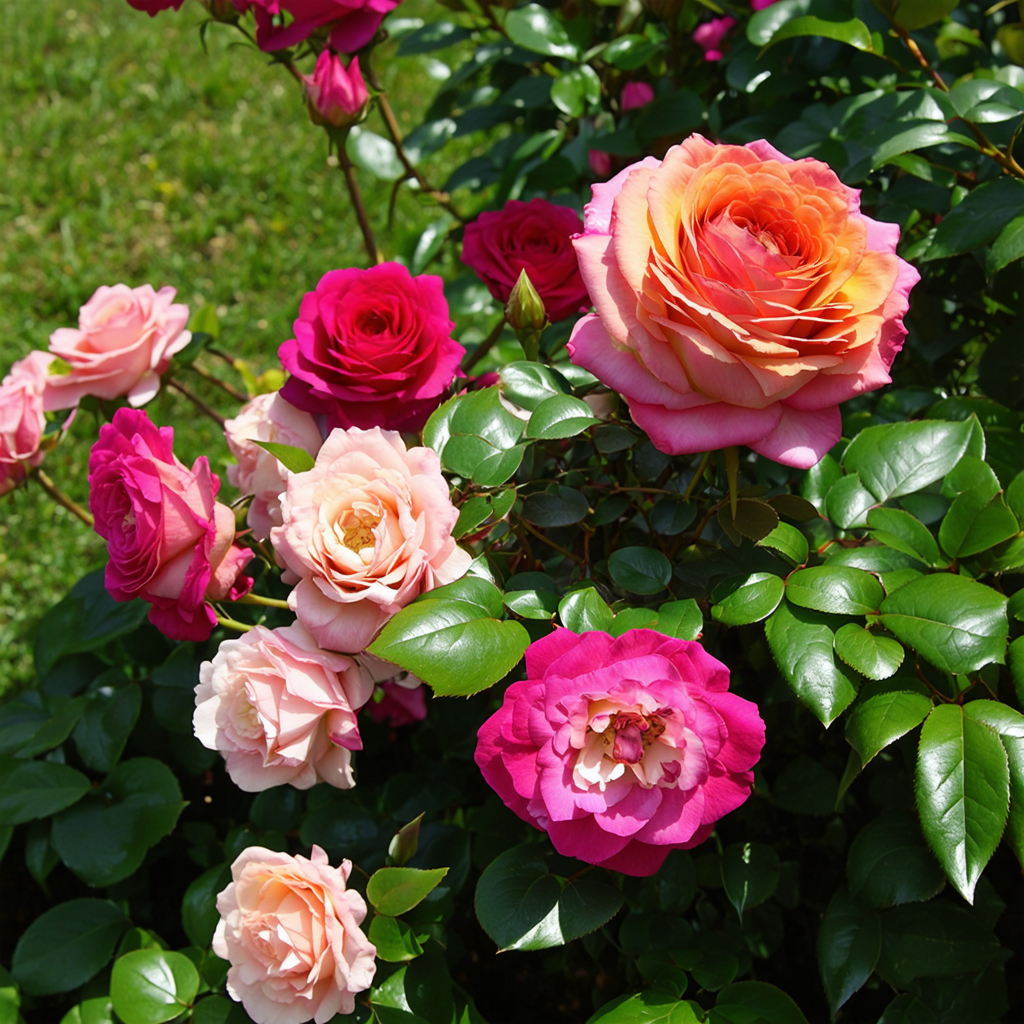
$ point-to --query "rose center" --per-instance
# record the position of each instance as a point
(371, 322)
(357, 530)
(625, 743)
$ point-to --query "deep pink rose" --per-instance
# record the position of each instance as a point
(600, 163)
(760, 5)
(290, 930)
(170, 542)
(398, 702)
(636, 95)
(281, 710)
(364, 532)
(22, 422)
(154, 7)
(621, 749)
(535, 237)
(124, 342)
(740, 297)
(335, 94)
(710, 36)
(353, 23)
(372, 348)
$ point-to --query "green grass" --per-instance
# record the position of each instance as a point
(128, 154)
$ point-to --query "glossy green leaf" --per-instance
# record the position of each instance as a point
(38, 789)
(55, 731)
(108, 720)
(650, 1007)
(874, 656)
(576, 90)
(884, 712)
(744, 599)
(395, 940)
(750, 874)
(629, 52)
(681, 619)
(853, 32)
(482, 442)
(560, 506)
(640, 570)
(978, 219)
(900, 530)
(98, 1010)
(889, 863)
(529, 384)
(848, 502)
(151, 986)
(560, 416)
(963, 793)
(374, 154)
(199, 914)
(585, 609)
(819, 479)
(802, 644)
(957, 624)
(835, 589)
(849, 944)
(537, 29)
(788, 541)
(472, 513)
(395, 891)
(975, 523)
(765, 1001)
(298, 460)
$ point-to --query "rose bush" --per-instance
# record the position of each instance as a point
(740, 297)
(22, 421)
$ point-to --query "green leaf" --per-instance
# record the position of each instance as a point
(396, 942)
(849, 944)
(585, 906)
(374, 154)
(877, 657)
(66, 945)
(199, 914)
(1007, 247)
(38, 789)
(848, 502)
(537, 29)
(640, 570)
(763, 26)
(528, 384)
(651, 1007)
(98, 1010)
(750, 874)
(584, 610)
(899, 458)
(298, 460)
(627, 53)
(904, 532)
(151, 986)
(56, 730)
(482, 443)
(560, 416)
(889, 863)
(788, 541)
(819, 479)
(576, 90)
(802, 644)
(108, 720)
(769, 1003)
(435, 35)
(884, 712)
(835, 589)
(975, 523)
(218, 1010)
(743, 599)
(681, 619)
(957, 624)
(978, 219)
(963, 793)
(395, 891)
(472, 513)
(853, 32)
(560, 506)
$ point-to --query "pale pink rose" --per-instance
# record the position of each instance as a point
(710, 36)
(124, 342)
(281, 710)
(636, 95)
(740, 297)
(335, 94)
(621, 749)
(22, 422)
(264, 476)
(364, 532)
(290, 930)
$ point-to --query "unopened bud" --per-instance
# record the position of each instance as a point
(336, 95)
(526, 315)
(403, 847)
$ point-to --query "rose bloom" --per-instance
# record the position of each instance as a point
(372, 348)
(399, 701)
(124, 342)
(154, 7)
(290, 930)
(535, 237)
(335, 94)
(264, 476)
(710, 36)
(621, 749)
(170, 542)
(281, 710)
(364, 532)
(740, 296)
(22, 423)
(352, 23)
(635, 95)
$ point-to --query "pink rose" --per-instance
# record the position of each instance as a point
(760, 5)
(353, 23)
(124, 342)
(635, 95)
(290, 930)
(621, 749)
(710, 36)
(335, 94)
(154, 7)
(170, 542)
(22, 422)
(364, 532)
(600, 163)
(400, 701)
(372, 348)
(535, 237)
(740, 297)
(281, 710)
(264, 476)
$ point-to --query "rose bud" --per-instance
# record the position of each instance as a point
(335, 95)
(526, 315)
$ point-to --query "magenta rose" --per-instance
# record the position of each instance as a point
(22, 422)
(335, 94)
(154, 7)
(635, 95)
(621, 749)
(352, 23)
(170, 542)
(711, 35)
(535, 237)
(372, 348)
(740, 297)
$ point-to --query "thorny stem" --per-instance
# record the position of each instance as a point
(267, 602)
(485, 346)
(196, 401)
(60, 497)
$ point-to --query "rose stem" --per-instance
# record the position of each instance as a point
(229, 623)
(357, 202)
(732, 472)
(551, 544)
(197, 402)
(267, 602)
(705, 459)
(60, 497)
(485, 346)
(222, 384)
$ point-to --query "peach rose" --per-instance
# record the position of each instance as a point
(124, 342)
(266, 418)
(281, 710)
(22, 422)
(364, 532)
(740, 297)
(290, 930)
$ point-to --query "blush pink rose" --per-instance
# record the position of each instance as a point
(372, 348)
(22, 423)
(281, 710)
(335, 94)
(364, 532)
(535, 237)
(636, 95)
(710, 36)
(264, 476)
(352, 23)
(290, 930)
(124, 342)
(621, 749)
(740, 297)
(170, 542)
